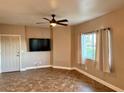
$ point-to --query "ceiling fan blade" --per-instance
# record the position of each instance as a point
(62, 24)
(40, 22)
(64, 20)
(46, 19)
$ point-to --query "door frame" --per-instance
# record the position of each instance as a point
(20, 65)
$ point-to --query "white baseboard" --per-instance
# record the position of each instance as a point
(99, 80)
(23, 69)
(60, 67)
(36, 67)
(46, 66)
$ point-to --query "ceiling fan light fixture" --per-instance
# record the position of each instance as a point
(53, 24)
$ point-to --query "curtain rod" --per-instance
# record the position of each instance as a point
(108, 28)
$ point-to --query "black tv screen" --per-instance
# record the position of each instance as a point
(39, 44)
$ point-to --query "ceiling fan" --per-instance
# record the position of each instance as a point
(54, 22)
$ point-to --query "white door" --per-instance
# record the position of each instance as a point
(10, 48)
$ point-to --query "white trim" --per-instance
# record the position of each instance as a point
(20, 52)
(35, 67)
(60, 67)
(99, 80)
(23, 69)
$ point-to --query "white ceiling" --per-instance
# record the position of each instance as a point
(28, 12)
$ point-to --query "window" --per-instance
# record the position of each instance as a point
(88, 46)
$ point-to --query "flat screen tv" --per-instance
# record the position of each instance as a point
(36, 44)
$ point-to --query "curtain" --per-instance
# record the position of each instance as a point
(79, 60)
(103, 50)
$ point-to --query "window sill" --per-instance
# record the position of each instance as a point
(90, 60)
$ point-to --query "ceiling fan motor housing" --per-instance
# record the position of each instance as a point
(53, 20)
(53, 15)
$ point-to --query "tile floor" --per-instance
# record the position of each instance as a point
(49, 80)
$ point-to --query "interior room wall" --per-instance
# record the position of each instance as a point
(62, 46)
(29, 59)
(114, 20)
(33, 59)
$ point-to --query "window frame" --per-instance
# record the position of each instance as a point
(87, 33)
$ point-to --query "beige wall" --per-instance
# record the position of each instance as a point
(115, 20)
(62, 46)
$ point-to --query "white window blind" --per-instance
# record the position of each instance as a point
(88, 46)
